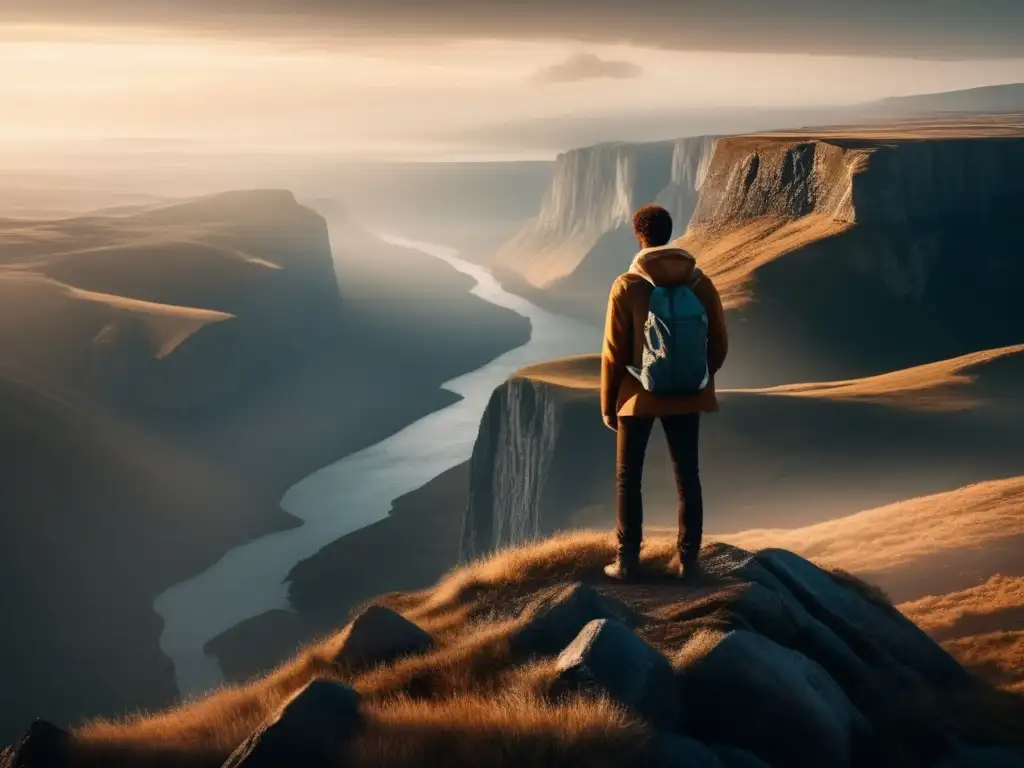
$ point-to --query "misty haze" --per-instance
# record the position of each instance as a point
(331, 339)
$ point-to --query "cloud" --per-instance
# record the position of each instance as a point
(586, 66)
(950, 29)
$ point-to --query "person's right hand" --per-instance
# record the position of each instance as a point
(611, 421)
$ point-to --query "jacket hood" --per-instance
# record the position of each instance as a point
(665, 265)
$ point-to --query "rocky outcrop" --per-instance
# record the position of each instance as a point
(865, 253)
(691, 681)
(552, 624)
(379, 635)
(883, 633)
(309, 730)
(795, 713)
(583, 231)
(607, 658)
(43, 745)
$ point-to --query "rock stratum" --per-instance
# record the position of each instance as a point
(851, 252)
(530, 657)
(584, 225)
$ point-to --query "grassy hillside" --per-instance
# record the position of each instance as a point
(796, 454)
(490, 686)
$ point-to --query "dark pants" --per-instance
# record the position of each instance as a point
(682, 434)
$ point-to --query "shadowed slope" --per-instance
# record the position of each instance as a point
(122, 305)
(97, 517)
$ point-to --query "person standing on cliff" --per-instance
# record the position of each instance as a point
(631, 399)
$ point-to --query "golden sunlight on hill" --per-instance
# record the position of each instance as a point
(982, 626)
(897, 534)
(940, 386)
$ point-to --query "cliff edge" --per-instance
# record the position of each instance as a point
(584, 223)
(850, 252)
(530, 657)
(543, 460)
(172, 307)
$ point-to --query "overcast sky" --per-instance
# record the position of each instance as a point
(418, 76)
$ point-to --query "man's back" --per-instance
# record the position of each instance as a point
(628, 305)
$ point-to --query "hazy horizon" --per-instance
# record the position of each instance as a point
(71, 82)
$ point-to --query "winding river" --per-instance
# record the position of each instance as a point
(353, 492)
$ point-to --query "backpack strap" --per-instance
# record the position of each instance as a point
(695, 277)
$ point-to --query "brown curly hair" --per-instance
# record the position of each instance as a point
(652, 225)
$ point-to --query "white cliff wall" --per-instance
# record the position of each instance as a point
(594, 193)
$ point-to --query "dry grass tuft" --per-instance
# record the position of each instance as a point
(472, 701)
(512, 729)
(870, 592)
(983, 627)
(945, 385)
(882, 539)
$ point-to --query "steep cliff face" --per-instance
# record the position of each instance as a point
(844, 256)
(172, 307)
(584, 218)
(782, 458)
(524, 472)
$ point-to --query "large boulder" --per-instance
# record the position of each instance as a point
(742, 689)
(776, 614)
(881, 635)
(310, 730)
(607, 657)
(379, 635)
(555, 622)
(43, 745)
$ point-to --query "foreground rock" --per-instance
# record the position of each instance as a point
(876, 655)
(607, 657)
(309, 730)
(379, 635)
(754, 666)
(792, 712)
(554, 623)
(43, 745)
(885, 636)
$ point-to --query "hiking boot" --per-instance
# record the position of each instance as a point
(689, 570)
(624, 568)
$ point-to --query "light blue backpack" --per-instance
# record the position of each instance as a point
(675, 355)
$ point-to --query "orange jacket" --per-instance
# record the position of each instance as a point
(621, 393)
